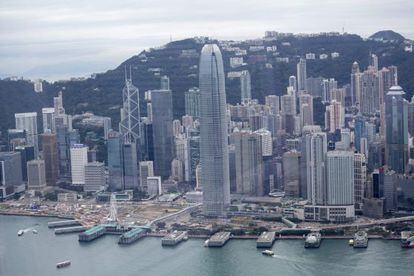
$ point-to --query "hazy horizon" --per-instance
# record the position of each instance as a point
(57, 40)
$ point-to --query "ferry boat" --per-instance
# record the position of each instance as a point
(268, 253)
(361, 239)
(351, 242)
(20, 233)
(313, 240)
(407, 239)
(63, 264)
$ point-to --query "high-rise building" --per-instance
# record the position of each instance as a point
(115, 161)
(328, 85)
(306, 109)
(48, 119)
(213, 133)
(130, 165)
(36, 176)
(396, 138)
(316, 148)
(165, 83)
(130, 114)
(334, 116)
(293, 83)
(94, 177)
(50, 155)
(28, 123)
(355, 83)
(194, 154)
(146, 169)
(26, 154)
(291, 173)
(369, 101)
(301, 74)
(273, 102)
(177, 170)
(360, 175)
(267, 141)
(340, 178)
(249, 163)
(245, 86)
(10, 173)
(192, 102)
(78, 160)
(387, 78)
(162, 130)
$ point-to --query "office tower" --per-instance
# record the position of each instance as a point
(165, 83)
(107, 126)
(60, 118)
(359, 131)
(130, 116)
(64, 139)
(369, 102)
(288, 104)
(355, 84)
(149, 111)
(360, 175)
(154, 186)
(334, 116)
(48, 119)
(194, 154)
(130, 165)
(10, 173)
(146, 169)
(181, 153)
(293, 83)
(340, 177)
(58, 104)
(36, 176)
(26, 154)
(162, 131)
(192, 102)
(147, 141)
(316, 148)
(410, 112)
(306, 109)
(94, 177)
(177, 170)
(213, 133)
(50, 155)
(78, 160)
(28, 123)
(273, 102)
(249, 163)
(301, 74)
(387, 77)
(267, 141)
(15, 138)
(389, 188)
(115, 161)
(91, 155)
(245, 86)
(396, 138)
(177, 128)
(256, 122)
(291, 173)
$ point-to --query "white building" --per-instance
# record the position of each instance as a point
(78, 158)
(340, 177)
(267, 141)
(28, 123)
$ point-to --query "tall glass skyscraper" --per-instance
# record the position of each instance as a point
(396, 136)
(213, 133)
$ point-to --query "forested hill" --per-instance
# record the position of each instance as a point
(179, 60)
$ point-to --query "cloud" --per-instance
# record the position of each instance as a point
(37, 36)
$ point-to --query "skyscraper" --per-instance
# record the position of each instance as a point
(78, 160)
(360, 175)
(50, 155)
(316, 147)
(369, 102)
(340, 177)
(213, 133)
(245, 86)
(162, 131)
(28, 123)
(130, 116)
(48, 119)
(115, 161)
(94, 177)
(293, 83)
(192, 102)
(36, 177)
(396, 138)
(355, 83)
(10, 173)
(301, 74)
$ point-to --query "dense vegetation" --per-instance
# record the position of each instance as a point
(102, 94)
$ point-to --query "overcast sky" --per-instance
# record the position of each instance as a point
(55, 39)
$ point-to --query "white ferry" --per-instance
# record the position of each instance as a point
(268, 253)
(63, 264)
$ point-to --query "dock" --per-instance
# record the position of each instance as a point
(62, 223)
(93, 233)
(219, 239)
(132, 235)
(266, 240)
(67, 230)
(174, 238)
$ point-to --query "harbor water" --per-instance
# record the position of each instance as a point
(37, 254)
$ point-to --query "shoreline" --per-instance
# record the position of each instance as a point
(2, 213)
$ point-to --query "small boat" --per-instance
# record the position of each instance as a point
(206, 243)
(268, 253)
(20, 233)
(63, 264)
(34, 231)
(351, 242)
